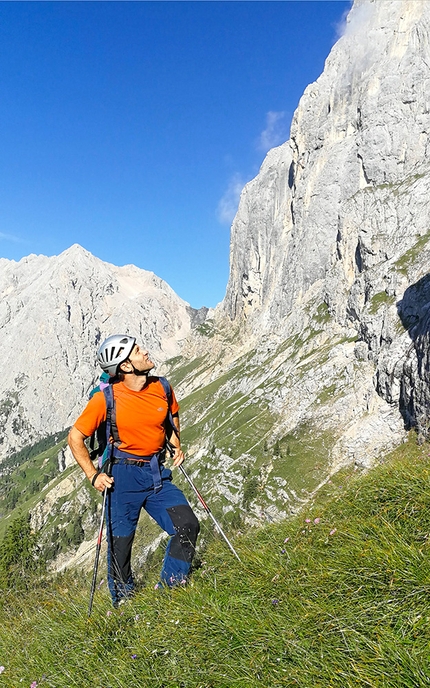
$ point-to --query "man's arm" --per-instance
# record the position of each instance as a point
(80, 452)
(175, 441)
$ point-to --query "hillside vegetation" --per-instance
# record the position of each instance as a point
(336, 596)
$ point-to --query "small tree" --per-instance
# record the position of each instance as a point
(17, 552)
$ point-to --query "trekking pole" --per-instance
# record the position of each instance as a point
(206, 508)
(98, 545)
(98, 548)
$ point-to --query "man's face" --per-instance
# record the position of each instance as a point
(140, 359)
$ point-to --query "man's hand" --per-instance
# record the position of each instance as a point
(102, 481)
(80, 452)
(178, 456)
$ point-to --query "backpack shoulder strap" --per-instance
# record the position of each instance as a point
(167, 389)
(100, 433)
(168, 392)
(107, 428)
(111, 426)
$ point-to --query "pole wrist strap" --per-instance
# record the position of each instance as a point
(94, 478)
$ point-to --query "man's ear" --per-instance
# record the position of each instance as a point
(125, 366)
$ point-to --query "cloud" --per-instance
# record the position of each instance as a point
(11, 237)
(227, 207)
(354, 19)
(275, 132)
(341, 25)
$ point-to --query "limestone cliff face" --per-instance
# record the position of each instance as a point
(54, 312)
(339, 215)
(361, 127)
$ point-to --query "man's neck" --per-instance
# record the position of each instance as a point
(135, 382)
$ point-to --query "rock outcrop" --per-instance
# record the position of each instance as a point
(317, 212)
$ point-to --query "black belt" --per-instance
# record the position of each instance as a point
(132, 462)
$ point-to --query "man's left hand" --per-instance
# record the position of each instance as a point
(178, 457)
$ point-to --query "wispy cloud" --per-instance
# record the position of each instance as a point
(275, 132)
(11, 237)
(352, 21)
(227, 207)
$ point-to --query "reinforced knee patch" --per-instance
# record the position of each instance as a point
(120, 567)
(182, 545)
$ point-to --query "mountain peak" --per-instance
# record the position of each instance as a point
(76, 251)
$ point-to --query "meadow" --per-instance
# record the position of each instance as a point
(336, 596)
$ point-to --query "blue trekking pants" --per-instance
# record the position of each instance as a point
(133, 490)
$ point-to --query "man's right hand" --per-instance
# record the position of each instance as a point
(102, 481)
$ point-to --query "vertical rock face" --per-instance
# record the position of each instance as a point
(54, 312)
(340, 213)
(361, 126)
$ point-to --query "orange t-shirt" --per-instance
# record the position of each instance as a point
(140, 416)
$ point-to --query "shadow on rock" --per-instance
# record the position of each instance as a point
(414, 313)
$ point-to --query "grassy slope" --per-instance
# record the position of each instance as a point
(344, 609)
(27, 479)
(244, 425)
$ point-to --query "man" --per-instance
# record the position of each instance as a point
(139, 429)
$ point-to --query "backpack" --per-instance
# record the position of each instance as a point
(105, 380)
(108, 427)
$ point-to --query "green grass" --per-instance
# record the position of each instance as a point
(407, 260)
(27, 472)
(343, 603)
(210, 407)
(323, 314)
(395, 189)
(327, 394)
(207, 329)
(380, 299)
(181, 368)
(18, 458)
(302, 457)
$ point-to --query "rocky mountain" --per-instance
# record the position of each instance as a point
(53, 314)
(329, 250)
(318, 355)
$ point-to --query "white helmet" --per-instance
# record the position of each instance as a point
(114, 350)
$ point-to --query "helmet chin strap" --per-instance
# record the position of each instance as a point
(135, 371)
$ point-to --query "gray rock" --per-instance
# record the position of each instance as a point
(65, 459)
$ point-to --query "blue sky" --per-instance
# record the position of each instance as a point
(130, 127)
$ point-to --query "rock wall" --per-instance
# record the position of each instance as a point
(339, 214)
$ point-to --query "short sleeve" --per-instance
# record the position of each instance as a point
(93, 414)
(174, 406)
